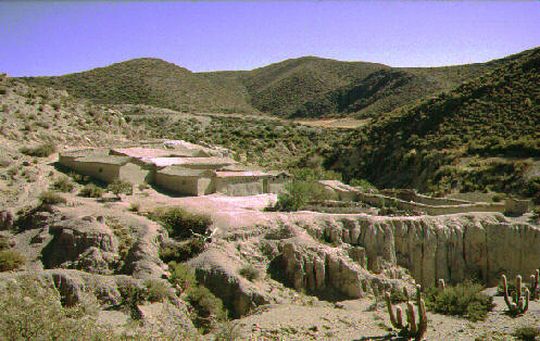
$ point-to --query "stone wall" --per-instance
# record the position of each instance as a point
(136, 174)
(240, 186)
(184, 185)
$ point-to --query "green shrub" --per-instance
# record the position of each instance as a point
(527, 333)
(181, 223)
(362, 184)
(4, 243)
(249, 272)
(299, 193)
(118, 187)
(43, 150)
(51, 198)
(182, 251)
(91, 191)
(464, 299)
(157, 290)
(182, 275)
(497, 198)
(209, 308)
(11, 260)
(63, 184)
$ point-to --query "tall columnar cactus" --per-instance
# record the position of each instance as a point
(411, 329)
(535, 291)
(518, 304)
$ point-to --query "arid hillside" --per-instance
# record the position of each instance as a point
(304, 87)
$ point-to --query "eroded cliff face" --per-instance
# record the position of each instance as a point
(350, 256)
(454, 247)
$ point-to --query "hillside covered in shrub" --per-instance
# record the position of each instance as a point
(303, 87)
(482, 135)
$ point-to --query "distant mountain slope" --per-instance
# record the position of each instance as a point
(281, 88)
(387, 89)
(302, 87)
(476, 136)
(153, 82)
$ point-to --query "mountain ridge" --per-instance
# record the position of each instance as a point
(308, 86)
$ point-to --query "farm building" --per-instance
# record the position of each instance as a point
(108, 168)
(173, 171)
(241, 183)
(276, 182)
(185, 181)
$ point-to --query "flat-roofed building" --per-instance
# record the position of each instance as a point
(240, 183)
(109, 168)
(185, 181)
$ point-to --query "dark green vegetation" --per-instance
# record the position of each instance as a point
(10, 260)
(302, 87)
(464, 299)
(180, 223)
(483, 135)
(208, 309)
(118, 187)
(299, 193)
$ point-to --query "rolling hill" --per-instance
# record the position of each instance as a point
(303, 87)
(484, 134)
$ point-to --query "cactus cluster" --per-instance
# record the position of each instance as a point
(518, 303)
(416, 324)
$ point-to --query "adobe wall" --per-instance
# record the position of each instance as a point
(275, 185)
(411, 195)
(381, 200)
(178, 185)
(240, 186)
(183, 185)
(136, 174)
(104, 172)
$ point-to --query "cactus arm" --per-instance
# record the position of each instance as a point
(422, 324)
(526, 303)
(412, 318)
(399, 317)
(505, 292)
(519, 283)
(391, 310)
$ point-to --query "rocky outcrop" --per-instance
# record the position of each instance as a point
(217, 271)
(452, 247)
(81, 243)
(326, 271)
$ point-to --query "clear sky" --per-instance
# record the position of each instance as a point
(52, 38)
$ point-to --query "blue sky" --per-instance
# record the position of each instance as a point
(52, 38)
